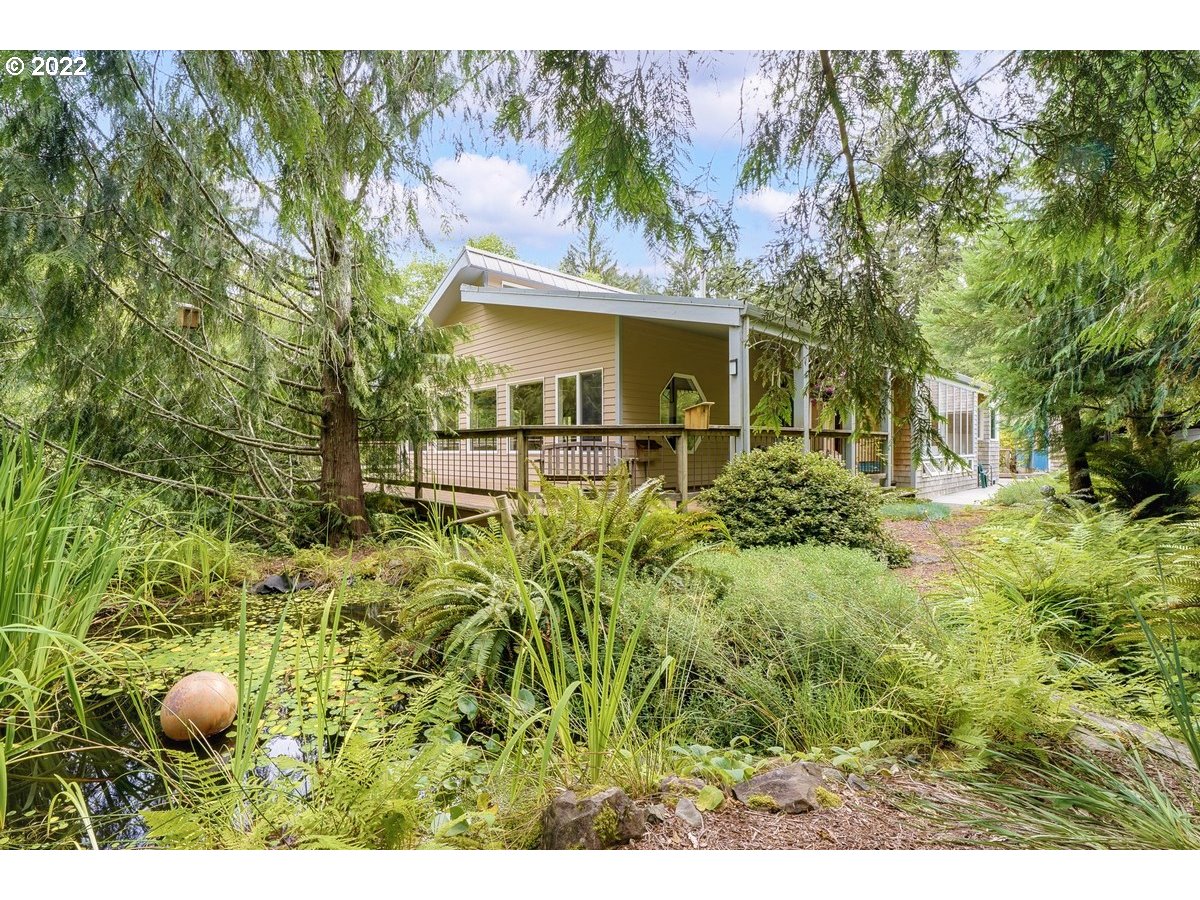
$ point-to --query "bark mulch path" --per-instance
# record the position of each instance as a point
(933, 544)
(873, 819)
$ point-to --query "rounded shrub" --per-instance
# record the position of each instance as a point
(785, 495)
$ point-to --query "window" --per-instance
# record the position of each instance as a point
(680, 392)
(994, 426)
(957, 406)
(525, 407)
(483, 415)
(581, 398)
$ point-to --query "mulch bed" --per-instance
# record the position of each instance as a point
(873, 819)
(933, 544)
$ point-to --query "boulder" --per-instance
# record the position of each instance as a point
(791, 789)
(199, 705)
(594, 822)
(676, 786)
(686, 810)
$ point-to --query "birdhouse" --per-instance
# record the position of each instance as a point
(189, 316)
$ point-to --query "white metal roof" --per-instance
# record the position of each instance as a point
(472, 263)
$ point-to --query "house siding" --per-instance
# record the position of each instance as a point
(538, 345)
(650, 354)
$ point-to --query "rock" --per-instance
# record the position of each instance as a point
(200, 704)
(857, 783)
(282, 584)
(1154, 741)
(674, 785)
(594, 822)
(657, 813)
(686, 810)
(829, 773)
(792, 788)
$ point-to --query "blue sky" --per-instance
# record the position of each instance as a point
(490, 181)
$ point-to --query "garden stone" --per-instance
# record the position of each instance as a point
(674, 785)
(857, 783)
(657, 813)
(793, 789)
(686, 810)
(595, 822)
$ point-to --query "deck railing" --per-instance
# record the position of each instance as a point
(519, 459)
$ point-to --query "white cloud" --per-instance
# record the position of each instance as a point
(487, 194)
(767, 201)
(723, 106)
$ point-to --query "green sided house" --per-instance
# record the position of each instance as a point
(593, 377)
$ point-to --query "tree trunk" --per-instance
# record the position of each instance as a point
(1075, 445)
(341, 461)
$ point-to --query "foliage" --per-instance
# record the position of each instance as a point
(55, 570)
(584, 668)
(1027, 491)
(810, 647)
(592, 259)
(930, 512)
(784, 495)
(472, 605)
(1056, 799)
(1151, 481)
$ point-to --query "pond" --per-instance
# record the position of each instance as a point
(119, 760)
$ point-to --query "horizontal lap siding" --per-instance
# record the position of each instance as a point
(538, 345)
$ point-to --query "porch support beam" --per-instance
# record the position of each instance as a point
(800, 404)
(852, 443)
(890, 463)
(739, 383)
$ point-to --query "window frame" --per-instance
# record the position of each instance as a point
(578, 376)
(694, 440)
(483, 445)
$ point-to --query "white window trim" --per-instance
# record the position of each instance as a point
(578, 395)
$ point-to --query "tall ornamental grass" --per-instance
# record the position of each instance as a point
(54, 571)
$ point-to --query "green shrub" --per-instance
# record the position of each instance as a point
(810, 647)
(784, 495)
(469, 607)
(1150, 482)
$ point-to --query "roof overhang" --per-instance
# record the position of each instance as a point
(642, 306)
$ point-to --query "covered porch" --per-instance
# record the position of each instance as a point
(662, 366)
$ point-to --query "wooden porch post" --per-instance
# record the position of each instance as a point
(522, 462)
(800, 396)
(739, 383)
(417, 474)
(887, 413)
(681, 468)
(851, 444)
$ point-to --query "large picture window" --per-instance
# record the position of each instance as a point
(581, 398)
(483, 415)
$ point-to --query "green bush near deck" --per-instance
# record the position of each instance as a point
(785, 495)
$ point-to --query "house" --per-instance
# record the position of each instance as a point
(592, 377)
